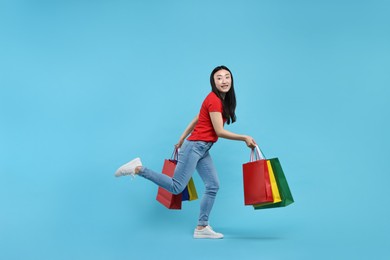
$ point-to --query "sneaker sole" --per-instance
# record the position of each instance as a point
(206, 237)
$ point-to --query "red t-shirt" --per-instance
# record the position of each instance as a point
(204, 130)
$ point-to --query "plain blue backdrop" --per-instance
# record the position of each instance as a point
(86, 86)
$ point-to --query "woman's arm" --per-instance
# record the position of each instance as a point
(217, 121)
(187, 131)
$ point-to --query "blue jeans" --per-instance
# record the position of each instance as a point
(193, 155)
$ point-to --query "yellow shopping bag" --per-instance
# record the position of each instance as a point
(274, 185)
(192, 190)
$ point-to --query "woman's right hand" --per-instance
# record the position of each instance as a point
(179, 144)
(250, 142)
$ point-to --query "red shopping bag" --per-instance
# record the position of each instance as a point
(257, 184)
(166, 198)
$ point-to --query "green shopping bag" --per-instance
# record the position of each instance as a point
(283, 187)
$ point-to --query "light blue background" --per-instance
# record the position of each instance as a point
(87, 85)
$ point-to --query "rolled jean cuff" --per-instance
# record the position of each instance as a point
(141, 170)
(203, 223)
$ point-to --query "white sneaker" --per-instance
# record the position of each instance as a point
(207, 232)
(128, 168)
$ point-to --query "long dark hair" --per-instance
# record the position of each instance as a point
(229, 102)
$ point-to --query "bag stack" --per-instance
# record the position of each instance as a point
(168, 199)
(265, 185)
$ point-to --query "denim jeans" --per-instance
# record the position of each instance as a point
(192, 155)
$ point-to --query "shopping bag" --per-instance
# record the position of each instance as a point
(274, 187)
(283, 187)
(169, 200)
(189, 193)
(185, 195)
(257, 184)
(274, 184)
(192, 190)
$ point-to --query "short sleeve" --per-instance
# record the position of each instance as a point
(214, 104)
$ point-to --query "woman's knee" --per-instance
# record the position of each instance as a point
(178, 188)
(212, 188)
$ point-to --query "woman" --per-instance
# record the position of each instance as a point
(204, 130)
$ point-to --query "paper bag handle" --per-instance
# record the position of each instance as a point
(175, 154)
(256, 154)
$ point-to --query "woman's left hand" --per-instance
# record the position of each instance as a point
(250, 142)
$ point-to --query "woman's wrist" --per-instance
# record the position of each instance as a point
(244, 138)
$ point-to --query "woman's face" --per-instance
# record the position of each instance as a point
(223, 81)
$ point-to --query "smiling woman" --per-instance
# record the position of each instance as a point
(222, 84)
(204, 130)
(87, 85)
(223, 81)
